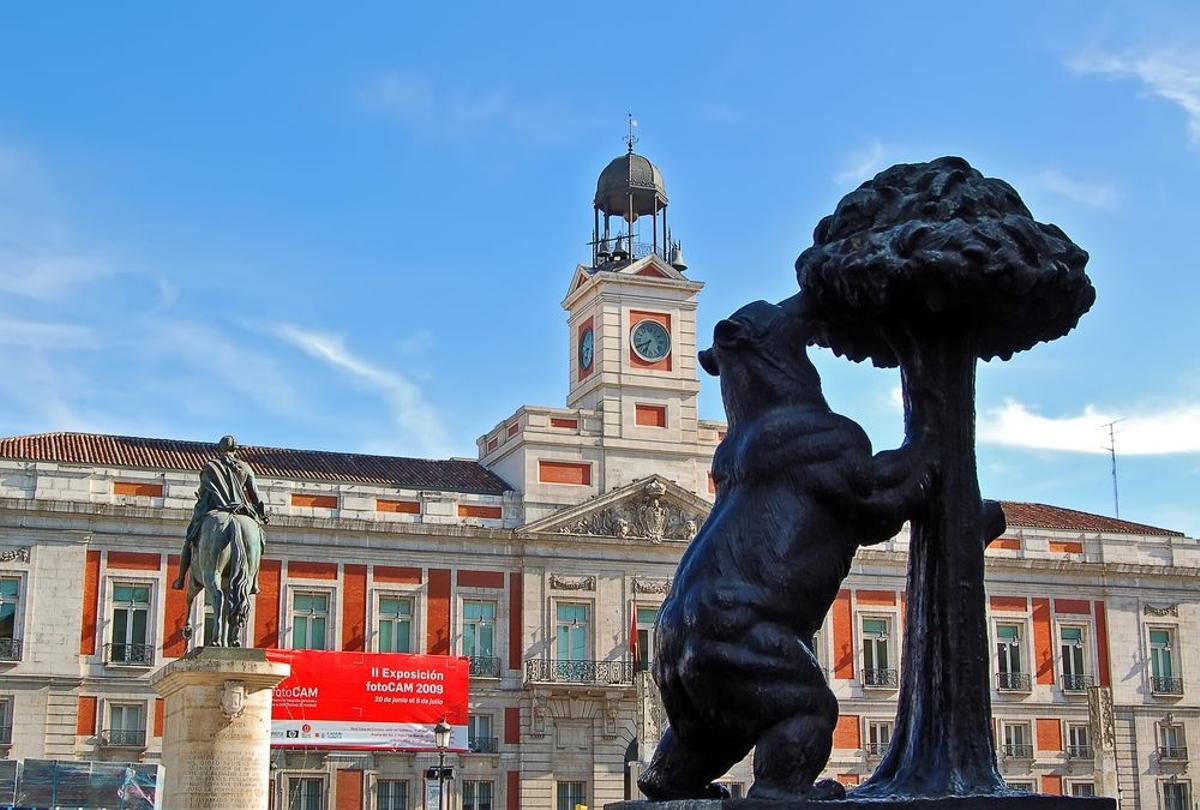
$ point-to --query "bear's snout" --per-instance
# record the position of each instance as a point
(708, 362)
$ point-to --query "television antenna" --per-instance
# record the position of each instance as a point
(1111, 447)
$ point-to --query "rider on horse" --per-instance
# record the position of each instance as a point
(226, 485)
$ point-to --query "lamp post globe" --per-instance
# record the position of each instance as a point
(441, 739)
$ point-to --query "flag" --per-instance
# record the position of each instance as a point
(633, 635)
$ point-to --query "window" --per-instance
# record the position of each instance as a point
(571, 631)
(1175, 796)
(1017, 743)
(1018, 785)
(310, 617)
(6, 718)
(876, 667)
(1171, 744)
(477, 795)
(1079, 743)
(879, 737)
(391, 794)
(130, 616)
(1083, 789)
(306, 793)
(479, 734)
(646, 617)
(395, 624)
(479, 638)
(571, 794)
(1164, 677)
(10, 600)
(126, 724)
(1075, 677)
(1010, 656)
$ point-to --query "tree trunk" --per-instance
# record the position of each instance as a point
(942, 743)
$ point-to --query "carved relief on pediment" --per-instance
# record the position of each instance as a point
(648, 515)
(20, 554)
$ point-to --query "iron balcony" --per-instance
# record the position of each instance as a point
(130, 655)
(485, 666)
(124, 737)
(1017, 751)
(614, 673)
(483, 745)
(1174, 753)
(1166, 686)
(1013, 682)
(1079, 752)
(1076, 683)
(880, 678)
(10, 649)
(874, 749)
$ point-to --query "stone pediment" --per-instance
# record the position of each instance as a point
(652, 509)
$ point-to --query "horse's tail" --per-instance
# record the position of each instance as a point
(238, 594)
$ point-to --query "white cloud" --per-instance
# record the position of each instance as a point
(413, 414)
(36, 335)
(1080, 192)
(1170, 75)
(1162, 432)
(863, 163)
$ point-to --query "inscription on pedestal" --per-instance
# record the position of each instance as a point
(213, 784)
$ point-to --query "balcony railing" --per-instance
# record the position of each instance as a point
(485, 666)
(10, 649)
(1079, 752)
(879, 678)
(482, 745)
(591, 672)
(1166, 686)
(1017, 751)
(1076, 683)
(124, 737)
(874, 749)
(5, 735)
(1013, 682)
(130, 655)
(1173, 753)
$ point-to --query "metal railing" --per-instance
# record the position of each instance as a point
(10, 649)
(876, 749)
(1079, 752)
(483, 745)
(133, 655)
(885, 678)
(1076, 683)
(124, 737)
(1017, 751)
(1166, 686)
(1174, 753)
(485, 666)
(593, 672)
(1013, 682)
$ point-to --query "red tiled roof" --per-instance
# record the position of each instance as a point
(273, 462)
(1042, 516)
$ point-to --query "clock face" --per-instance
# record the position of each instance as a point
(651, 341)
(587, 347)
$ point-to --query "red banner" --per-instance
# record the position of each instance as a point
(369, 700)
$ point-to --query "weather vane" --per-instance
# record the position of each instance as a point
(631, 138)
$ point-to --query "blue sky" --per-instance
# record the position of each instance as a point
(350, 228)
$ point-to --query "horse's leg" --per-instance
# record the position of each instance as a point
(193, 588)
(212, 586)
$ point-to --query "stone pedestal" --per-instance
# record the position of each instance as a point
(217, 732)
(1013, 802)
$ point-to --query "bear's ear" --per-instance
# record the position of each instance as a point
(727, 332)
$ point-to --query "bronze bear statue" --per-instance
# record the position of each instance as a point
(798, 492)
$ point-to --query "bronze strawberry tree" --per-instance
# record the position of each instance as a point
(932, 267)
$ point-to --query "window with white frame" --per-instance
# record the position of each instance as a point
(310, 620)
(395, 621)
(646, 618)
(305, 793)
(1176, 796)
(818, 650)
(1171, 742)
(571, 794)
(10, 604)
(479, 637)
(128, 640)
(1010, 658)
(1083, 788)
(1079, 741)
(571, 639)
(876, 650)
(1164, 674)
(476, 795)
(6, 719)
(126, 724)
(1017, 740)
(391, 794)
(879, 737)
(1073, 645)
(479, 734)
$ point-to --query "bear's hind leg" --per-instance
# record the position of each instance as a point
(792, 753)
(682, 771)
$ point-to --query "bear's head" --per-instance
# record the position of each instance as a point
(760, 353)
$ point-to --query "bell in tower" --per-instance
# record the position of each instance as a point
(630, 188)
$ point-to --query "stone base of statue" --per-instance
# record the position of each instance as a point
(217, 731)
(1016, 802)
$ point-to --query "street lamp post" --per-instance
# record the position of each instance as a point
(441, 738)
